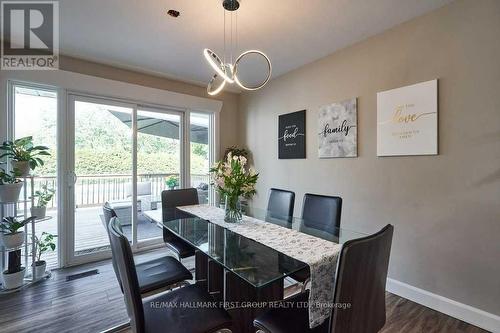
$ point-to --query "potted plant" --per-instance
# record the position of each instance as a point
(10, 186)
(43, 197)
(23, 154)
(43, 244)
(233, 181)
(172, 182)
(10, 235)
(235, 151)
(13, 277)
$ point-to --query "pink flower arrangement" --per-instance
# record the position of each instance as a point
(232, 178)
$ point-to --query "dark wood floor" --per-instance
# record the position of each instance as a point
(95, 303)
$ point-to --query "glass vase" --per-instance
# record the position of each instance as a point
(232, 210)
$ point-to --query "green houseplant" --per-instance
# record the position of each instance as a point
(42, 197)
(235, 151)
(10, 185)
(172, 182)
(44, 243)
(233, 181)
(10, 234)
(23, 154)
(13, 277)
(12, 238)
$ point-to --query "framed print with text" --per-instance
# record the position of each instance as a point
(337, 129)
(292, 135)
(407, 120)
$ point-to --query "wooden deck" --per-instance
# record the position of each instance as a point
(90, 232)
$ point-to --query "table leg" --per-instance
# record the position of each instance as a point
(201, 272)
(216, 280)
(210, 274)
(240, 291)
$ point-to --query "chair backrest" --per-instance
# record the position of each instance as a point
(280, 204)
(170, 199)
(360, 282)
(322, 212)
(109, 213)
(122, 253)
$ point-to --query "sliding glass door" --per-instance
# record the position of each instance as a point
(122, 155)
(159, 164)
(109, 151)
(100, 164)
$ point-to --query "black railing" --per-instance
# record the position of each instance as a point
(92, 190)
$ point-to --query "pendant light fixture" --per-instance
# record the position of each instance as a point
(226, 72)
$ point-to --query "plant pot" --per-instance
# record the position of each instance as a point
(11, 241)
(22, 166)
(10, 192)
(39, 270)
(13, 280)
(39, 211)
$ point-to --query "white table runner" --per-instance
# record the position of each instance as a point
(321, 255)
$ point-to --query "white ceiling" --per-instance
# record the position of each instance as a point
(138, 34)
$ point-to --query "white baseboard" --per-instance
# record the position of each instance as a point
(469, 314)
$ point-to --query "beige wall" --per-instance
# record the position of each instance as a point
(446, 208)
(228, 115)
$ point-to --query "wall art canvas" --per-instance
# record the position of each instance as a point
(407, 120)
(292, 135)
(337, 124)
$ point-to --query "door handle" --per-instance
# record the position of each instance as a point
(72, 178)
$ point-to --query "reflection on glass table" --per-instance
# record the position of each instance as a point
(256, 263)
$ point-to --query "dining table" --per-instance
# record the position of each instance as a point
(244, 265)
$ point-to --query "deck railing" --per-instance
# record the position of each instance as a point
(91, 190)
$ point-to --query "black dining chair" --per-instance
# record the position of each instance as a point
(320, 212)
(170, 200)
(163, 312)
(280, 204)
(152, 275)
(359, 285)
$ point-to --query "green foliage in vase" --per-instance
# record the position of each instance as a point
(232, 179)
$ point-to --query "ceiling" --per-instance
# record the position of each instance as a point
(138, 34)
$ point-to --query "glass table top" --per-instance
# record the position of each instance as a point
(254, 262)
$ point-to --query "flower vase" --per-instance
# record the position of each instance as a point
(233, 210)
